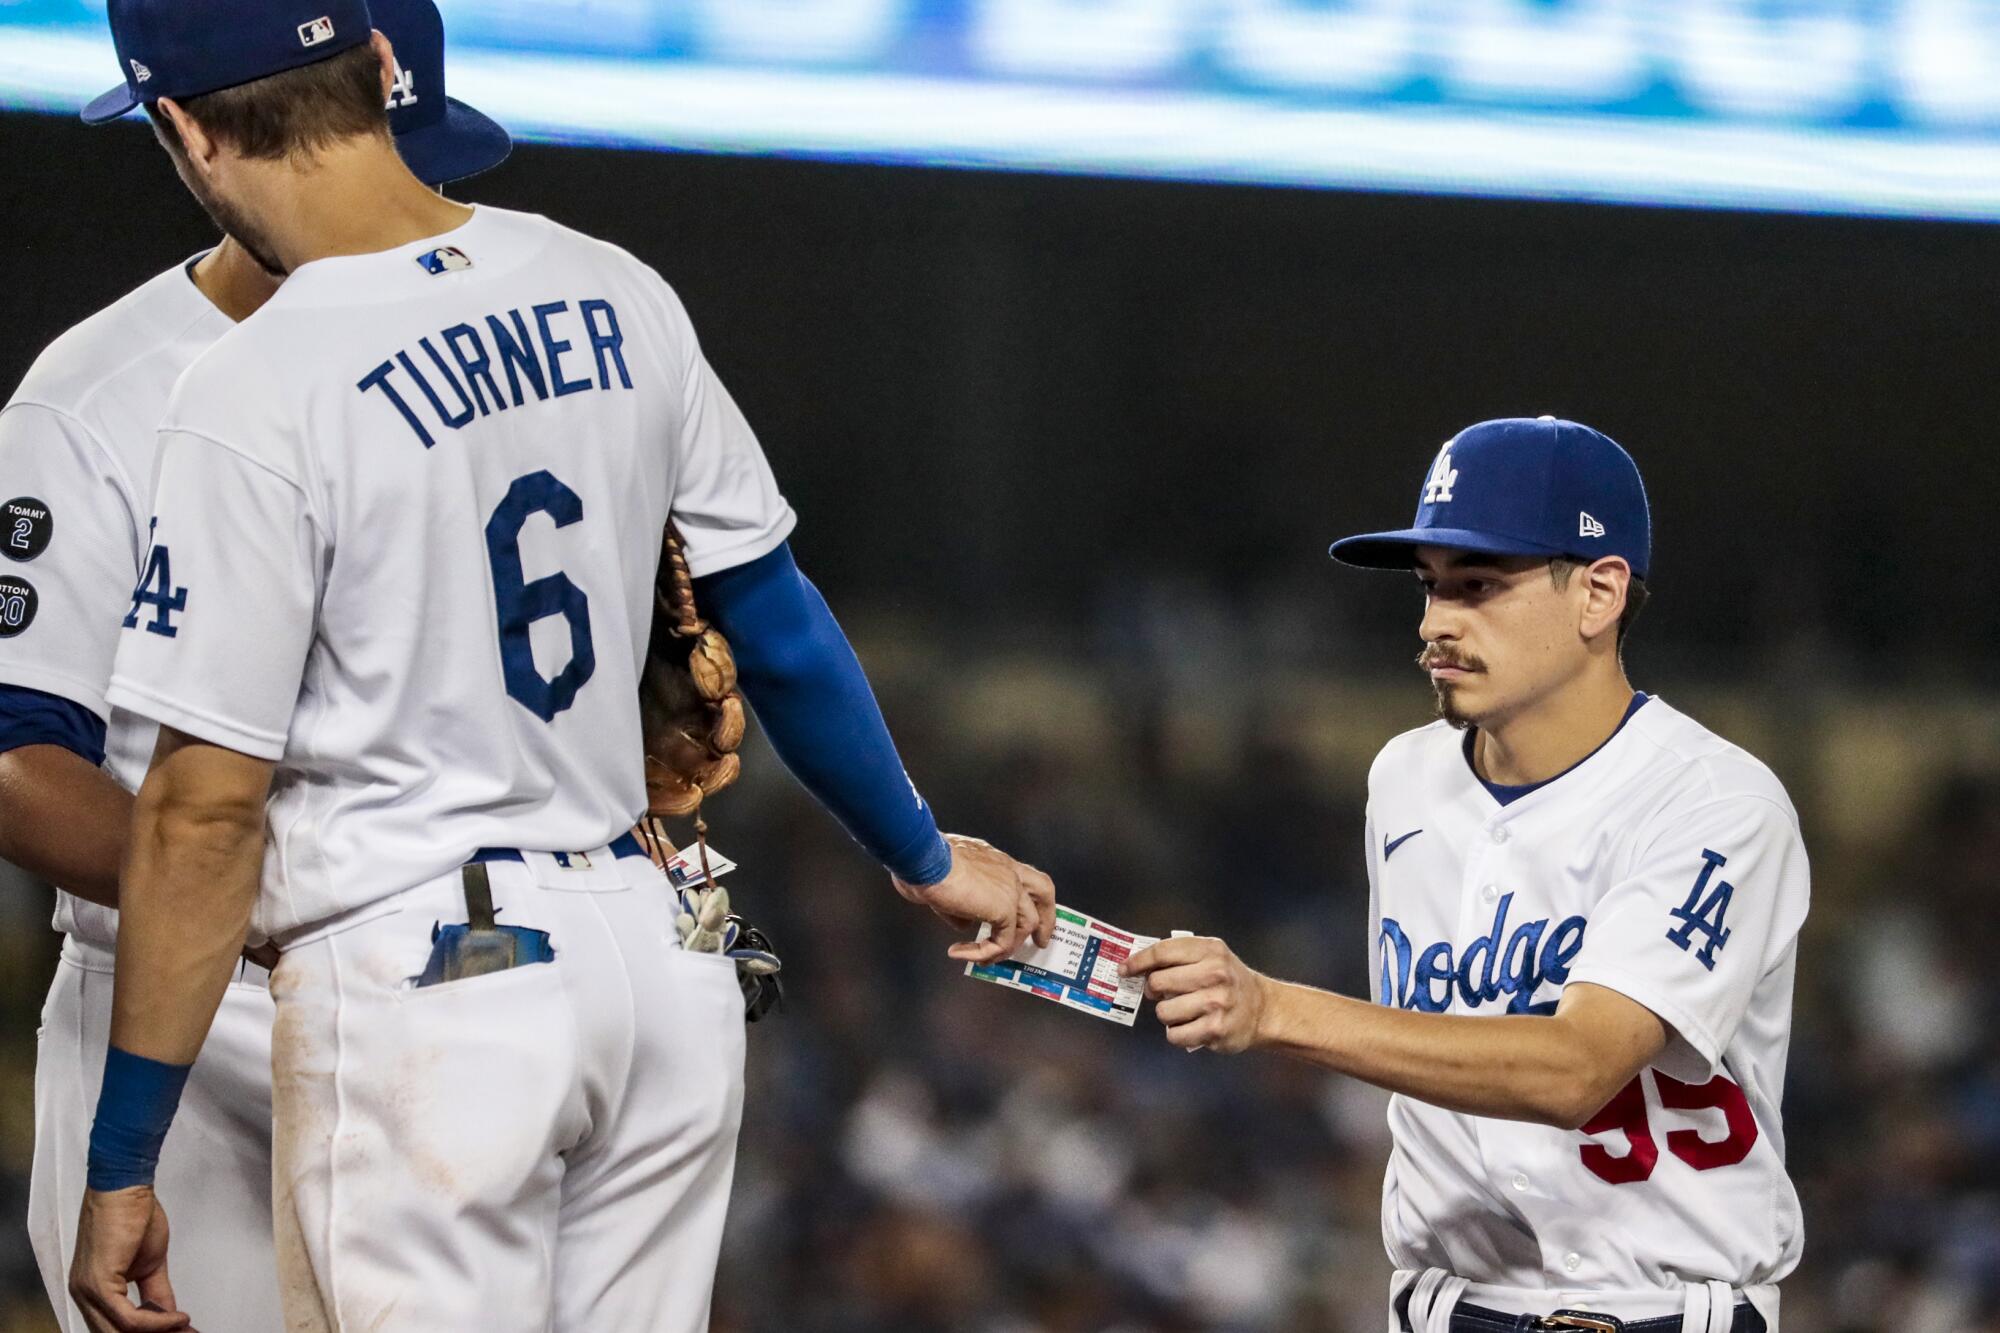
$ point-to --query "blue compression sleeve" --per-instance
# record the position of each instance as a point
(31, 717)
(134, 1112)
(802, 678)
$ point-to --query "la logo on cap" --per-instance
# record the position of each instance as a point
(317, 32)
(1437, 487)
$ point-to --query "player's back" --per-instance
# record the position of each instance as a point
(76, 447)
(453, 462)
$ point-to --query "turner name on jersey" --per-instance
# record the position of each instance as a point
(532, 364)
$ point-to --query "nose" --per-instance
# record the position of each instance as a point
(1440, 624)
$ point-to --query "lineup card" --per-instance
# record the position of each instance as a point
(1079, 969)
(684, 868)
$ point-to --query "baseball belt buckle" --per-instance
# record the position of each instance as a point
(1578, 1319)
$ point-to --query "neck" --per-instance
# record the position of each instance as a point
(1555, 734)
(234, 283)
(354, 198)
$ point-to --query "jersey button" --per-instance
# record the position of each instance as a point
(1490, 893)
(1499, 833)
(1520, 1181)
(1572, 1262)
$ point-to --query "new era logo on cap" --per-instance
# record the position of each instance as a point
(140, 73)
(1586, 526)
(316, 32)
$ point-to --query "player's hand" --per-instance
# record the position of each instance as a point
(121, 1239)
(1206, 995)
(987, 886)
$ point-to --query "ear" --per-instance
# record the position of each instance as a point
(201, 147)
(386, 54)
(1603, 586)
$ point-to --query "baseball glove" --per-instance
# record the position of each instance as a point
(688, 703)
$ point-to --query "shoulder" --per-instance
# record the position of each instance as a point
(1427, 752)
(532, 231)
(132, 349)
(1694, 769)
(239, 395)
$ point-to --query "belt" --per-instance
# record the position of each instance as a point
(624, 845)
(1478, 1319)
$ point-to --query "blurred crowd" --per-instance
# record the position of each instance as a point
(923, 1154)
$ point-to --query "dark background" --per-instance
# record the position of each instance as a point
(1068, 453)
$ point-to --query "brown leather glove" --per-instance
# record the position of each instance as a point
(692, 714)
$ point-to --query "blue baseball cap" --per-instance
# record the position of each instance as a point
(184, 48)
(441, 138)
(1522, 486)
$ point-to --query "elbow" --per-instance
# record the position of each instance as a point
(206, 823)
(1576, 1093)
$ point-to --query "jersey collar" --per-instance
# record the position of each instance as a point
(1505, 795)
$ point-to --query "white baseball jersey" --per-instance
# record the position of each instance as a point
(77, 442)
(1667, 866)
(76, 460)
(407, 522)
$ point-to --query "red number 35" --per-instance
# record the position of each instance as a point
(1626, 1113)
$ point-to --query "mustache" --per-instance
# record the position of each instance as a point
(1437, 655)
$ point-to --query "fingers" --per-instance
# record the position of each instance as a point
(1041, 891)
(111, 1312)
(1173, 953)
(156, 1292)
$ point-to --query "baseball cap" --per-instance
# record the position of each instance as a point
(1522, 486)
(184, 48)
(441, 138)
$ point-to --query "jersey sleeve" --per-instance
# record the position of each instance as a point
(1712, 905)
(726, 498)
(69, 542)
(216, 640)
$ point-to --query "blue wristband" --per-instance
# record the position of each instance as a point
(134, 1110)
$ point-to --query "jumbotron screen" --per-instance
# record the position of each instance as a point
(1850, 106)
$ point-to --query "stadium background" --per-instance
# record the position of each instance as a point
(1068, 452)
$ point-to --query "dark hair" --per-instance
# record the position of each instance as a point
(299, 111)
(1562, 567)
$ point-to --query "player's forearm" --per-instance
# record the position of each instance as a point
(190, 882)
(819, 713)
(63, 819)
(1513, 1067)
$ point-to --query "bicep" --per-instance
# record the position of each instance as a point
(1619, 1035)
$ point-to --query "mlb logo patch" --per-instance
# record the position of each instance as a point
(317, 32)
(445, 259)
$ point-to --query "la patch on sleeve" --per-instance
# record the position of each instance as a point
(26, 525)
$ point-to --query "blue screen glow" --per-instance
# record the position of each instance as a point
(1862, 106)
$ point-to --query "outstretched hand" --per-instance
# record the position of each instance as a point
(122, 1240)
(988, 887)
(1207, 997)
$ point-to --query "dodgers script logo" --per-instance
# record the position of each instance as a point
(1487, 970)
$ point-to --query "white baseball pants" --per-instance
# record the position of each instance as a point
(215, 1170)
(543, 1150)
